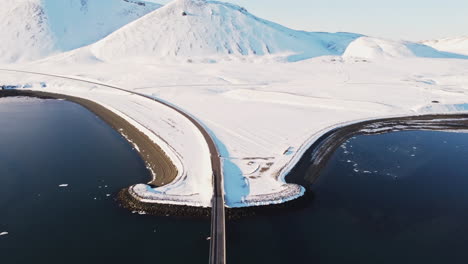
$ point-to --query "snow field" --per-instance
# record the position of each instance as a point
(263, 122)
(265, 92)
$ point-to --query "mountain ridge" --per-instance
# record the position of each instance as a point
(34, 29)
(213, 30)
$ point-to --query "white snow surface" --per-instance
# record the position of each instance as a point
(263, 113)
(33, 29)
(455, 45)
(376, 48)
(199, 30)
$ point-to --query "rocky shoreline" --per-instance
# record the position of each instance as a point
(307, 170)
(126, 200)
(155, 158)
(310, 165)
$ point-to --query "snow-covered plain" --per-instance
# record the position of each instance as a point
(264, 109)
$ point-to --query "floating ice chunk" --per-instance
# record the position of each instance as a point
(3, 233)
(63, 185)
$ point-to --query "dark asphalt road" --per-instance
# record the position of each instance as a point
(218, 220)
(218, 227)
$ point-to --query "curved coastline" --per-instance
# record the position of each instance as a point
(315, 157)
(319, 149)
(157, 162)
(154, 157)
(310, 163)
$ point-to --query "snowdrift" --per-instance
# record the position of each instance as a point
(32, 29)
(455, 45)
(207, 30)
(375, 48)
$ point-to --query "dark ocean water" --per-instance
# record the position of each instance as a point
(44, 144)
(394, 198)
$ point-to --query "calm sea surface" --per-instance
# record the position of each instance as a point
(44, 144)
(394, 198)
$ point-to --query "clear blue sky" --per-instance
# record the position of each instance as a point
(395, 19)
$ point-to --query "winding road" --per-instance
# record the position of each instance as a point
(218, 227)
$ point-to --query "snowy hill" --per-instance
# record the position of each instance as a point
(209, 30)
(33, 29)
(456, 45)
(375, 48)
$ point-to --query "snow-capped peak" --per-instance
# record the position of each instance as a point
(210, 30)
(32, 29)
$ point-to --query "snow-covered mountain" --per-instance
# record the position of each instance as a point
(184, 30)
(207, 30)
(456, 45)
(33, 29)
(376, 48)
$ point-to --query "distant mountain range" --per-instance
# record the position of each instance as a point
(201, 30)
(376, 48)
(185, 30)
(456, 45)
